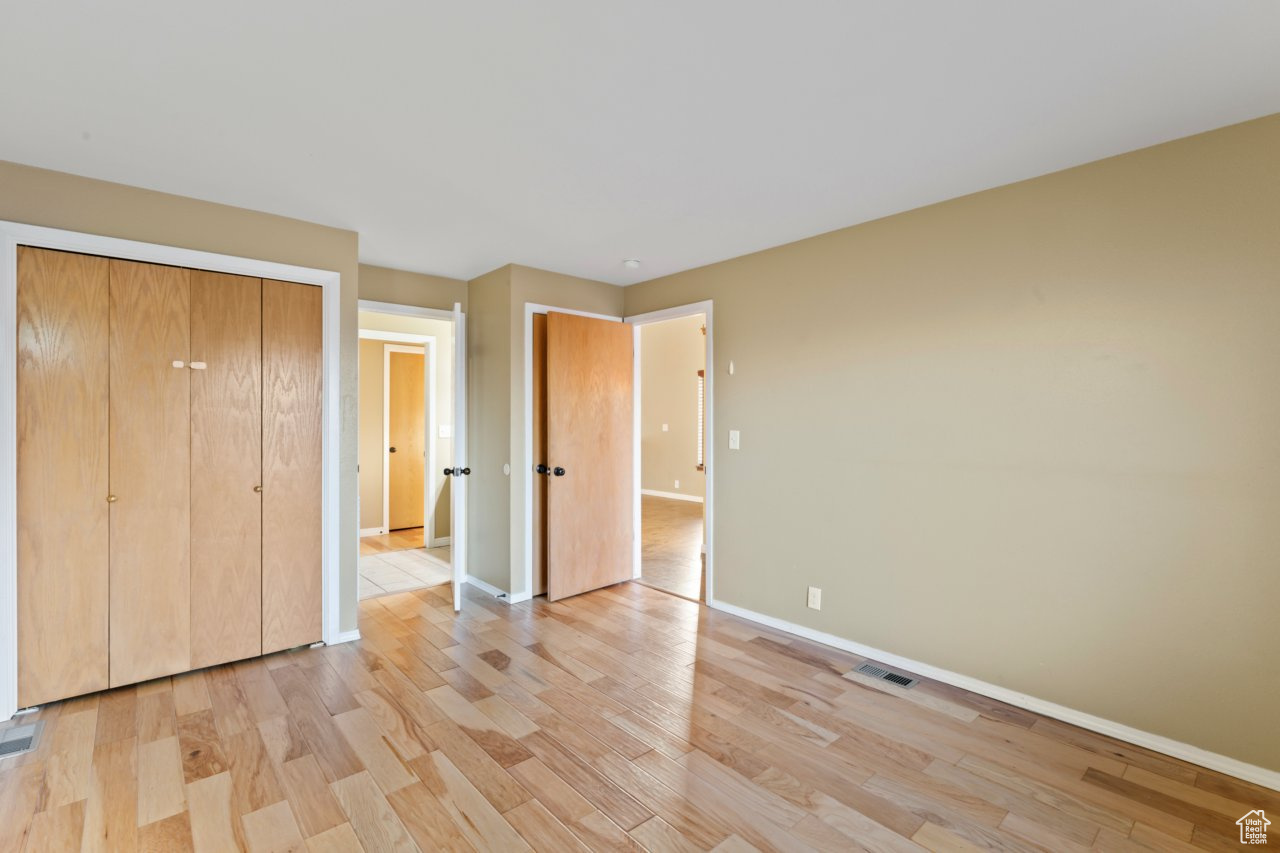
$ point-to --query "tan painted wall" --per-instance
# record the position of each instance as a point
(399, 287)
(488, 426)
(371, 409)
(496, 353)
(671, 354)
(58, 200)
(1042, 421)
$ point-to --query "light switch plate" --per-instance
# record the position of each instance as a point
(735, 440)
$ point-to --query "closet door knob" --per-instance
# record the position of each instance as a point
(112, 499)
(258, 489)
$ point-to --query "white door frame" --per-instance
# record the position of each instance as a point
(428, 352)
(14, 234)
(531, 308)
(708, 395)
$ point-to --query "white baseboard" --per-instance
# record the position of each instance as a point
(487, 587)
(519, 597)
(441, 541)
(345, 637)
(1167, 746)
(371, 531)
(675, 496)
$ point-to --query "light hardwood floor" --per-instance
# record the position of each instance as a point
(621, 719)
(671, 545)
(396, 540)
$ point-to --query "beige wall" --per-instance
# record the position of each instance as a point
(671, 354)
(58, 200)
(382, 284)
(496, 365)
(1029, 435)
(488, 427)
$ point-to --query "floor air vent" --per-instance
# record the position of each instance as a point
(887, 675)
(20, 739)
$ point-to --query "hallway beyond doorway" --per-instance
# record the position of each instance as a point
(671, 546)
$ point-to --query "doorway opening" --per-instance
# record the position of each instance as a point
(672, 405)
(406, 417)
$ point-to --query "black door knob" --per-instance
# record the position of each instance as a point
(391, 450)
(465, 471)
(543, 469)
(448, 472)
(558, 471)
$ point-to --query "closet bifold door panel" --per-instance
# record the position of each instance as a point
(62, 509)
(226, 468)
(590, 495)
(150, 430)
(292, 450)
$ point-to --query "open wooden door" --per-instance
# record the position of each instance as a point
(458, 488)
(406, 437)
(589, 448)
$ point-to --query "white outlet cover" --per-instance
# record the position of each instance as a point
(735, 440)
(677, 484)
(815, 598)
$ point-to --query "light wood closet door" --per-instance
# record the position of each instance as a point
(62, 475)
(406, 432)
(226, 468)
(589, 434)
(150, 471)
(292, 448)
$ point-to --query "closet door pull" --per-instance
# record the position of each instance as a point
(258, 489)
(179, 364)
(112, 499)
(198, 365)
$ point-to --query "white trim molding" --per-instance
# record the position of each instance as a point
(1119, 731)
(14, 234)
(345, 637)
(709, 427)
(485, 586)
(371, 531)
(403, 310)
(675, 496)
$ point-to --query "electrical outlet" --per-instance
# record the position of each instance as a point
(677, 484)
(735, 439)
(815, 598)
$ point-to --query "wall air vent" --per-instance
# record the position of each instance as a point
(19, 739)
(887, 675)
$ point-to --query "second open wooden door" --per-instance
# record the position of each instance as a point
(589, 407)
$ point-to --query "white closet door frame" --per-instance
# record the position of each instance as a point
(15, 234)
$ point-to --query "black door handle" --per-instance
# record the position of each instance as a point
(558, 471)
(466, 471)
(543, 469)
(391, 450)
(448, 472)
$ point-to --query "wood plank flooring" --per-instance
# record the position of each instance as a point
(624, 719)
(671, 545)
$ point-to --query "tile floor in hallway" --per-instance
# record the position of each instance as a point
(397, 571)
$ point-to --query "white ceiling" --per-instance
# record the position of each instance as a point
(459, 136)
